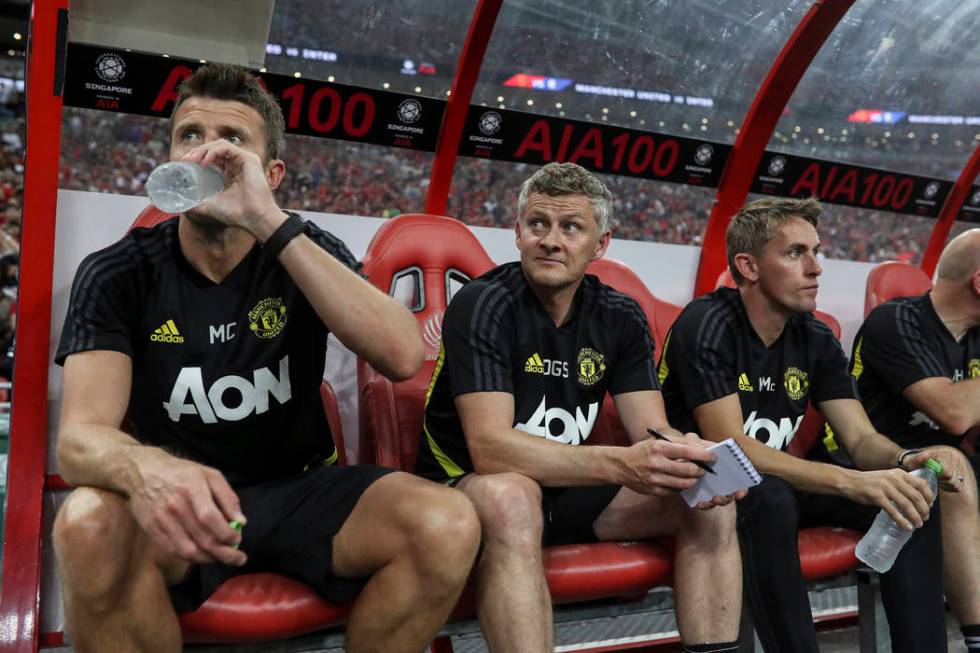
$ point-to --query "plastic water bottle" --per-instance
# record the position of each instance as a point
(179, 186)
(882, 544)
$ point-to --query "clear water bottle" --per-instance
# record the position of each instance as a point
(179, 186)
(881, 545)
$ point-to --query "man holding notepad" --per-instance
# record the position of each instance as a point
(529, 351)
(743, 363)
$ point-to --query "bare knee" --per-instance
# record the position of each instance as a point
(94, 539)
(444, 535)
(716, 526)
(509, 506)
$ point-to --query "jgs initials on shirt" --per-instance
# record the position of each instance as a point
(211, 404)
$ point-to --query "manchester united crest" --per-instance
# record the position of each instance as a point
(591, 366)
(268, 318)
(796, 382)
(973, 369)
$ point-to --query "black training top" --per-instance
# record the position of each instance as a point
(497, 337)
(901, 342)
(225, 374)
(713, 351)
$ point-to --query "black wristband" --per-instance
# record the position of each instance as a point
(904, 454)
(292, 227)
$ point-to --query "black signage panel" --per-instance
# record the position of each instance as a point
(971, 207)
(528, 138)
(839, 183)
(131, 82)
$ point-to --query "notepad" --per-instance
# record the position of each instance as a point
(734, 472)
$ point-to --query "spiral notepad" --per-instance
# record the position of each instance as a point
(733, 472)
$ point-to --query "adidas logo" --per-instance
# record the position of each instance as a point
(167, 332)
(534, 365)
(743, 382)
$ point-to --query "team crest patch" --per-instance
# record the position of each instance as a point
(796, 383)
(973, 368)
(591, 366)
(268, 318)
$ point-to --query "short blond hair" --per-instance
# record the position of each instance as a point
(757, 222)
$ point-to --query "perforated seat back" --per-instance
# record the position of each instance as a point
(420, 259)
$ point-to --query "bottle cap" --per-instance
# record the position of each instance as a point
(935, 466)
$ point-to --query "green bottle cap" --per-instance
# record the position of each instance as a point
(935, 466)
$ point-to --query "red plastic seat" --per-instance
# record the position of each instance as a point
(391, 413)
(430, 249)
(660, 317)
(893, 279)
(151, 216)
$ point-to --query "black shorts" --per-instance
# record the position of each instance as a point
(290, 529)
(569, 512)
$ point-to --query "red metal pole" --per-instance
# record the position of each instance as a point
(20, 595)
(772, 96)
(951, 208)
(453, 120)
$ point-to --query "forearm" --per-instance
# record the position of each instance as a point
(98, 456)
(549, 463)
(872, 450)
(806, 475)
(367, 321)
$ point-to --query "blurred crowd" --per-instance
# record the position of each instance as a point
(114, 153)
(12, 134)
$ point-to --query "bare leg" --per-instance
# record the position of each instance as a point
(418, 541)
(961, 551)
(513, 602)
(708, 569)
(114, 581)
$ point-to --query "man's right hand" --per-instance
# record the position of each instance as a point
(185, 507)
(905, 497)
(662, 468)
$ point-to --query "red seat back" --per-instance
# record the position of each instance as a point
(151, 216)
(893, 279)
(430, 253)
(660, 317)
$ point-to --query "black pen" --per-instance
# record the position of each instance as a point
(702, 465)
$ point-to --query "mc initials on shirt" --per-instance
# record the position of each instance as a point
(575, 429)
(210, 404)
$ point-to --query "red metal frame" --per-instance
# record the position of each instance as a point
(453, 120)
(20, 596)
(750, 144)
(951, 208)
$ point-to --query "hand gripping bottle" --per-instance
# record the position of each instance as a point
(882, 544)
(179, 186)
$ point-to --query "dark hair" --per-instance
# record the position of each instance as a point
(223, 81)
(756, 223)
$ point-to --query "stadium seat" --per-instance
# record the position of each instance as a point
(428, 254)
(151, 216)
(437, 248)
(893, 279)
(660, 317)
